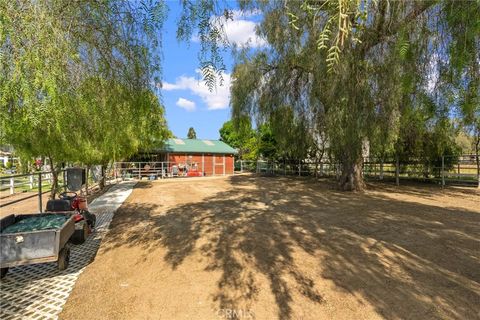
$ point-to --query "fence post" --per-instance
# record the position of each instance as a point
(31, 181)
(241, 166)
(299, 168)
(443, 171)
(86, 180)
(12, 185)
(381, 169)
(139, 171)
(64, 180)
(40, 192)
(397, 171)
(478, 169)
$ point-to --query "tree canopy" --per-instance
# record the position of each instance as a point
(77, 78)
(191, 133)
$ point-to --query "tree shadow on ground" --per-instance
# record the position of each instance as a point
(407, 259)
(425, 190)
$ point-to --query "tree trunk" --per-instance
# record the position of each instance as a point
(477, 150)
(351, 178)
(102, 179)
(53, 191)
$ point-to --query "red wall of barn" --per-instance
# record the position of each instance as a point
(229, 164)
(218, 164)
(206, 164)
(208, 159)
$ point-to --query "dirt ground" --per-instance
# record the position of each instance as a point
(285, 248)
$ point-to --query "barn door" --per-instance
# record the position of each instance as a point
(218, 165)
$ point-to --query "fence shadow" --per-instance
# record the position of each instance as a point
(408, 260)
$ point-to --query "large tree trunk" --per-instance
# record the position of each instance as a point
(351, 178)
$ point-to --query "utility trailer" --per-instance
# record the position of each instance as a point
(30, 247)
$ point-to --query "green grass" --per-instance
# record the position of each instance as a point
(22, 184)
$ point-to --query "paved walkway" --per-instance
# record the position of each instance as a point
(40, 291)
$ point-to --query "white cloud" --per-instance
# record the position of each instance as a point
(186, 104)
(238, 30)
(219, 98)
(242, 33)
(238, 14)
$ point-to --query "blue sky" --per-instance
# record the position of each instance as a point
(187, 101)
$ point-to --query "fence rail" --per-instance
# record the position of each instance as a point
(38, 183)
(138, 170)
(26, 182)
(463, 170)
(163, 169)
(33, 182)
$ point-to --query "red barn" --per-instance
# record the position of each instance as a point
(190, 156)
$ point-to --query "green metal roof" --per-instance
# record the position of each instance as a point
(196, 146)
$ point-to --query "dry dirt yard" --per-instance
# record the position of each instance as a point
(285, 248)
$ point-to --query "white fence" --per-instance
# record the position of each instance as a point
(154, 170)
(19, 187)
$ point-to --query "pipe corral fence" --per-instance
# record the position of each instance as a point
(462, 170)
(446, 170)
(157, 170)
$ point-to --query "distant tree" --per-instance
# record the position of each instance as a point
(465, 142)
(191, 133)
(229, 135)
(267, 145)
(241, 137)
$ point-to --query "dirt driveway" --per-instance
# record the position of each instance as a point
(279, 248)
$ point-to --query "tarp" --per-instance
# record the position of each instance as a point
(36, 223)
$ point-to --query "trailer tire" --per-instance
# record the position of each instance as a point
(79, 236)
(64, 258)
(3, 272)
(93, 220)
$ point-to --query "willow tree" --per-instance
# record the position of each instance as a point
(460, 76)
(76, 78)
(352, 69)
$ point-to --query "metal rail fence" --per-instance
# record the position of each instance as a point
(158, 170)
(33, 184)
(37, 184)
(151, 170)
(446, 170)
